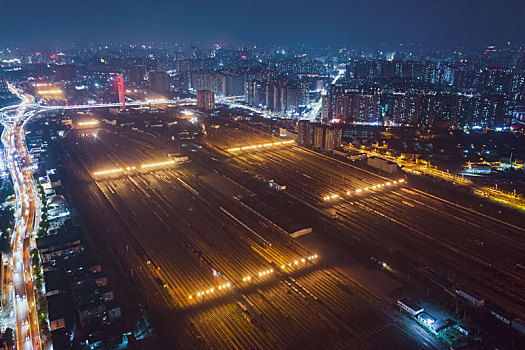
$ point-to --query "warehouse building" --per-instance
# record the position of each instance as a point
(410, 306)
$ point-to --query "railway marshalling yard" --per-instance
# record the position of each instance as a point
(204, 244)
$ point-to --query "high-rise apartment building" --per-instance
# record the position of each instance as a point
(205, 100)
(304, 133)
(319, 135)
(159, 82)
(65, 72)
(137, 73)
(332, 138)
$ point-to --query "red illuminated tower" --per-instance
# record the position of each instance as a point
(120, 85)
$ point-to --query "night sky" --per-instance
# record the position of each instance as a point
(437, 23)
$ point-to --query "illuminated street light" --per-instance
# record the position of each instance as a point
(93, 122)
(260, 146)
(49, 92)
(144, 166)
(110, 171)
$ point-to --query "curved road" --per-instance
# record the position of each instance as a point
(26, 220)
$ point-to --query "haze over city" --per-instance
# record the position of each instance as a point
(272, 175)
(431, 23)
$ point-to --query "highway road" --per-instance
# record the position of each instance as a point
(230, 100)
(26, 219)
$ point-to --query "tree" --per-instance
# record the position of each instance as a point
(35, 261)
(5, 245)
(39, 283)
(8, 337)
(42, 305)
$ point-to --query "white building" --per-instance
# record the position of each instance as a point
(479, 169)
(410, 306)
(57, 207)
(382, 164)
